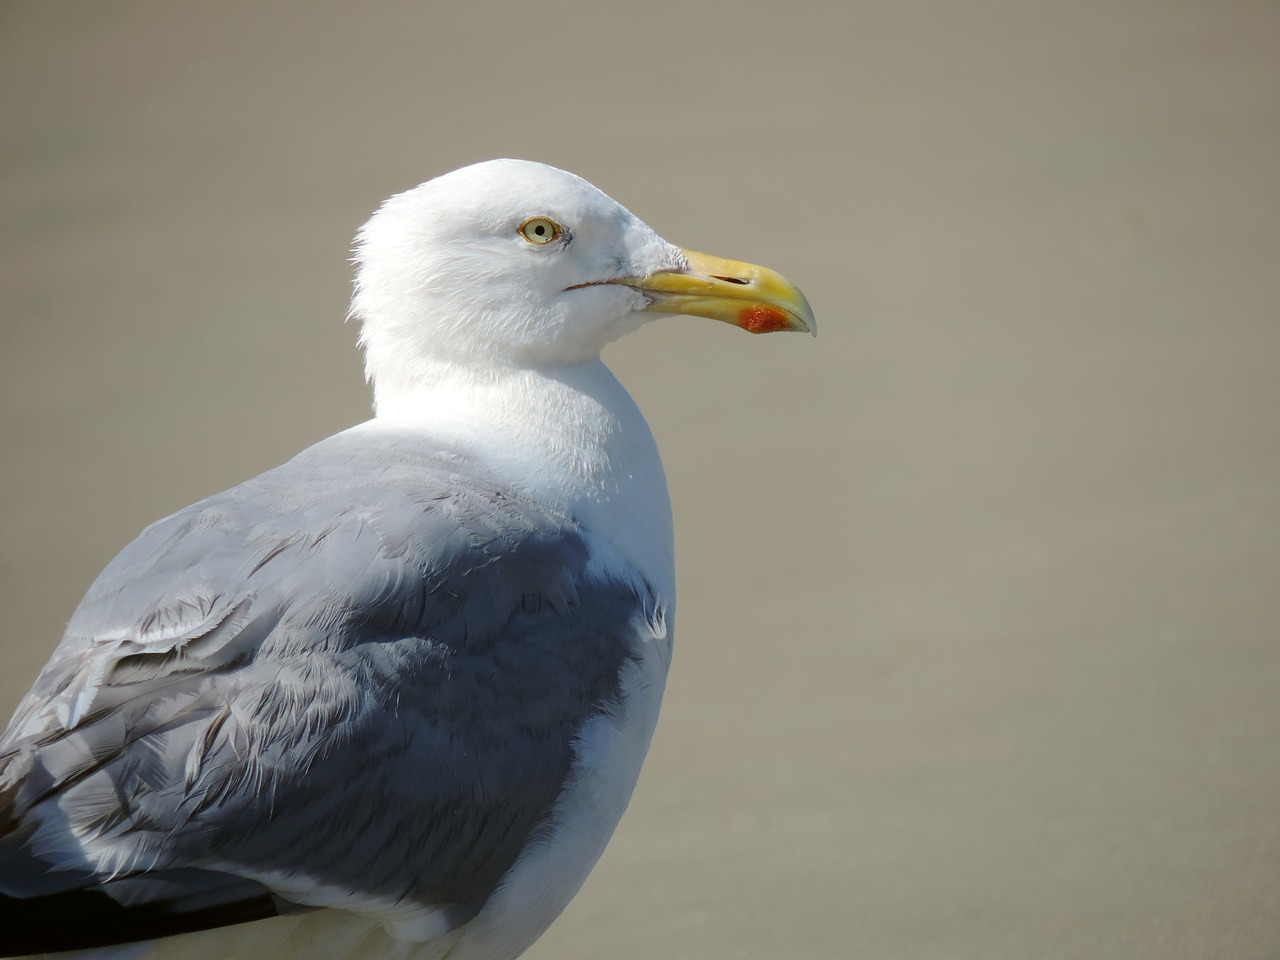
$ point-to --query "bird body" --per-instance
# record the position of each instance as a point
(391, 698)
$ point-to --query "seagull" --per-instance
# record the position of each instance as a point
(391, 698)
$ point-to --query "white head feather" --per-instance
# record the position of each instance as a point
(445, 275)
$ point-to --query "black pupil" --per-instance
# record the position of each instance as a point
(539, 229)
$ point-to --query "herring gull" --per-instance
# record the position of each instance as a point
(391, 698)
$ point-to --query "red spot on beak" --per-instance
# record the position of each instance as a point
(758, 318)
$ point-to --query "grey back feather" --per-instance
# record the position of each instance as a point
(379, 641)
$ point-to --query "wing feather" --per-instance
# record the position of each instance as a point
(299, 692)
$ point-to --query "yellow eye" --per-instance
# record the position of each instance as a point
(539, 230)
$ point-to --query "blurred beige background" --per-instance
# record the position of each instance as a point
(978, 649)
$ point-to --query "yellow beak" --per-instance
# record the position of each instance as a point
(757, 299)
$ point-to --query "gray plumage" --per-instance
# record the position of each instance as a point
(367, 615)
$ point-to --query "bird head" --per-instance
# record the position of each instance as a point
(513, 263)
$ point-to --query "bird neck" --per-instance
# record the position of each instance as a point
(567, 434)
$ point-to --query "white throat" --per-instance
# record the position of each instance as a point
(566, 434)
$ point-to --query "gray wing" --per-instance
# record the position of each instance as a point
(355, 679)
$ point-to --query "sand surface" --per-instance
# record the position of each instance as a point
(979, 639)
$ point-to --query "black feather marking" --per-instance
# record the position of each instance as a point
(82, 919)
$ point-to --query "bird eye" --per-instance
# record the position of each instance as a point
(539, 230)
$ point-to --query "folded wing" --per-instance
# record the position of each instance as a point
(354, 681)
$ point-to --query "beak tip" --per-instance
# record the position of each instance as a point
(804, 315)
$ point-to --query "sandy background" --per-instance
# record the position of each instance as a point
(978, 649)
